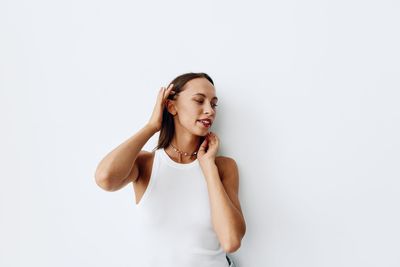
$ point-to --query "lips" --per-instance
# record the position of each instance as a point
(206, 122)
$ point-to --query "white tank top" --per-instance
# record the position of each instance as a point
(174, 218)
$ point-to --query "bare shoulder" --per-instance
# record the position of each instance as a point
(229, 174)
(225, 165)
(224, 161)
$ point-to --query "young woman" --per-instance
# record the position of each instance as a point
(186, 195)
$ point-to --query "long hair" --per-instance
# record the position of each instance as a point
(168, 126)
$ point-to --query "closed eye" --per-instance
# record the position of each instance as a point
(201, 102)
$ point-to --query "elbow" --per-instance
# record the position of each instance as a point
(103, 181)
(233, 243)
(230, 247)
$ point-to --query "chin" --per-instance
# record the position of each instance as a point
(200, 132)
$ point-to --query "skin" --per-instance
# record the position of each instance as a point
(188, 107)
(127, 163)
(221, 173)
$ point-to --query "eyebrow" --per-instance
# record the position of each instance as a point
(205, 95)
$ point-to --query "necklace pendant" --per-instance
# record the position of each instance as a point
(183, 153)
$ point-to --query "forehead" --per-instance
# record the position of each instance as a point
(199, 85)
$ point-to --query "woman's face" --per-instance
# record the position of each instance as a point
(195, 106)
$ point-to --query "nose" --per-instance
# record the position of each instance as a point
(209, 109)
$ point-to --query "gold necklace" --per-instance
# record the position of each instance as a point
(184, 153)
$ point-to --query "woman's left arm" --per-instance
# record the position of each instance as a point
(227, 216)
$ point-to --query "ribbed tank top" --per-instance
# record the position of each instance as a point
(174, 218)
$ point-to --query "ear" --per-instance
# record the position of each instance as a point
(170, 105)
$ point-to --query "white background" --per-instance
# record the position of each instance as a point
(309, 109)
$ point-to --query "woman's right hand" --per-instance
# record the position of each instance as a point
(156, 117)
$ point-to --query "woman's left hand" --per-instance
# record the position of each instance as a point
(208, 149)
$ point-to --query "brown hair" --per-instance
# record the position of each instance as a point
(167, 126)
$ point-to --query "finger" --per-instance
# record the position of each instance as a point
(202, 149)
(203, 145)
(169, 90)
(213, 138)
(216, 138)
(161, 92)
(161, 96)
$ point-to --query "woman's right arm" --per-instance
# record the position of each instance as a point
(115, 168)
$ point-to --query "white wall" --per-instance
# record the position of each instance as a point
(309, 94)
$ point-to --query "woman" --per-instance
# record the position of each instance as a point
(186, 195)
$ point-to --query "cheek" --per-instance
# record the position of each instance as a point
(189, 116)
(191, 111)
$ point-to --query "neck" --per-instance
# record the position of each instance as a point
(186, 143)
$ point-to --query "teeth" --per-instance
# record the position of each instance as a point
(205, 121)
